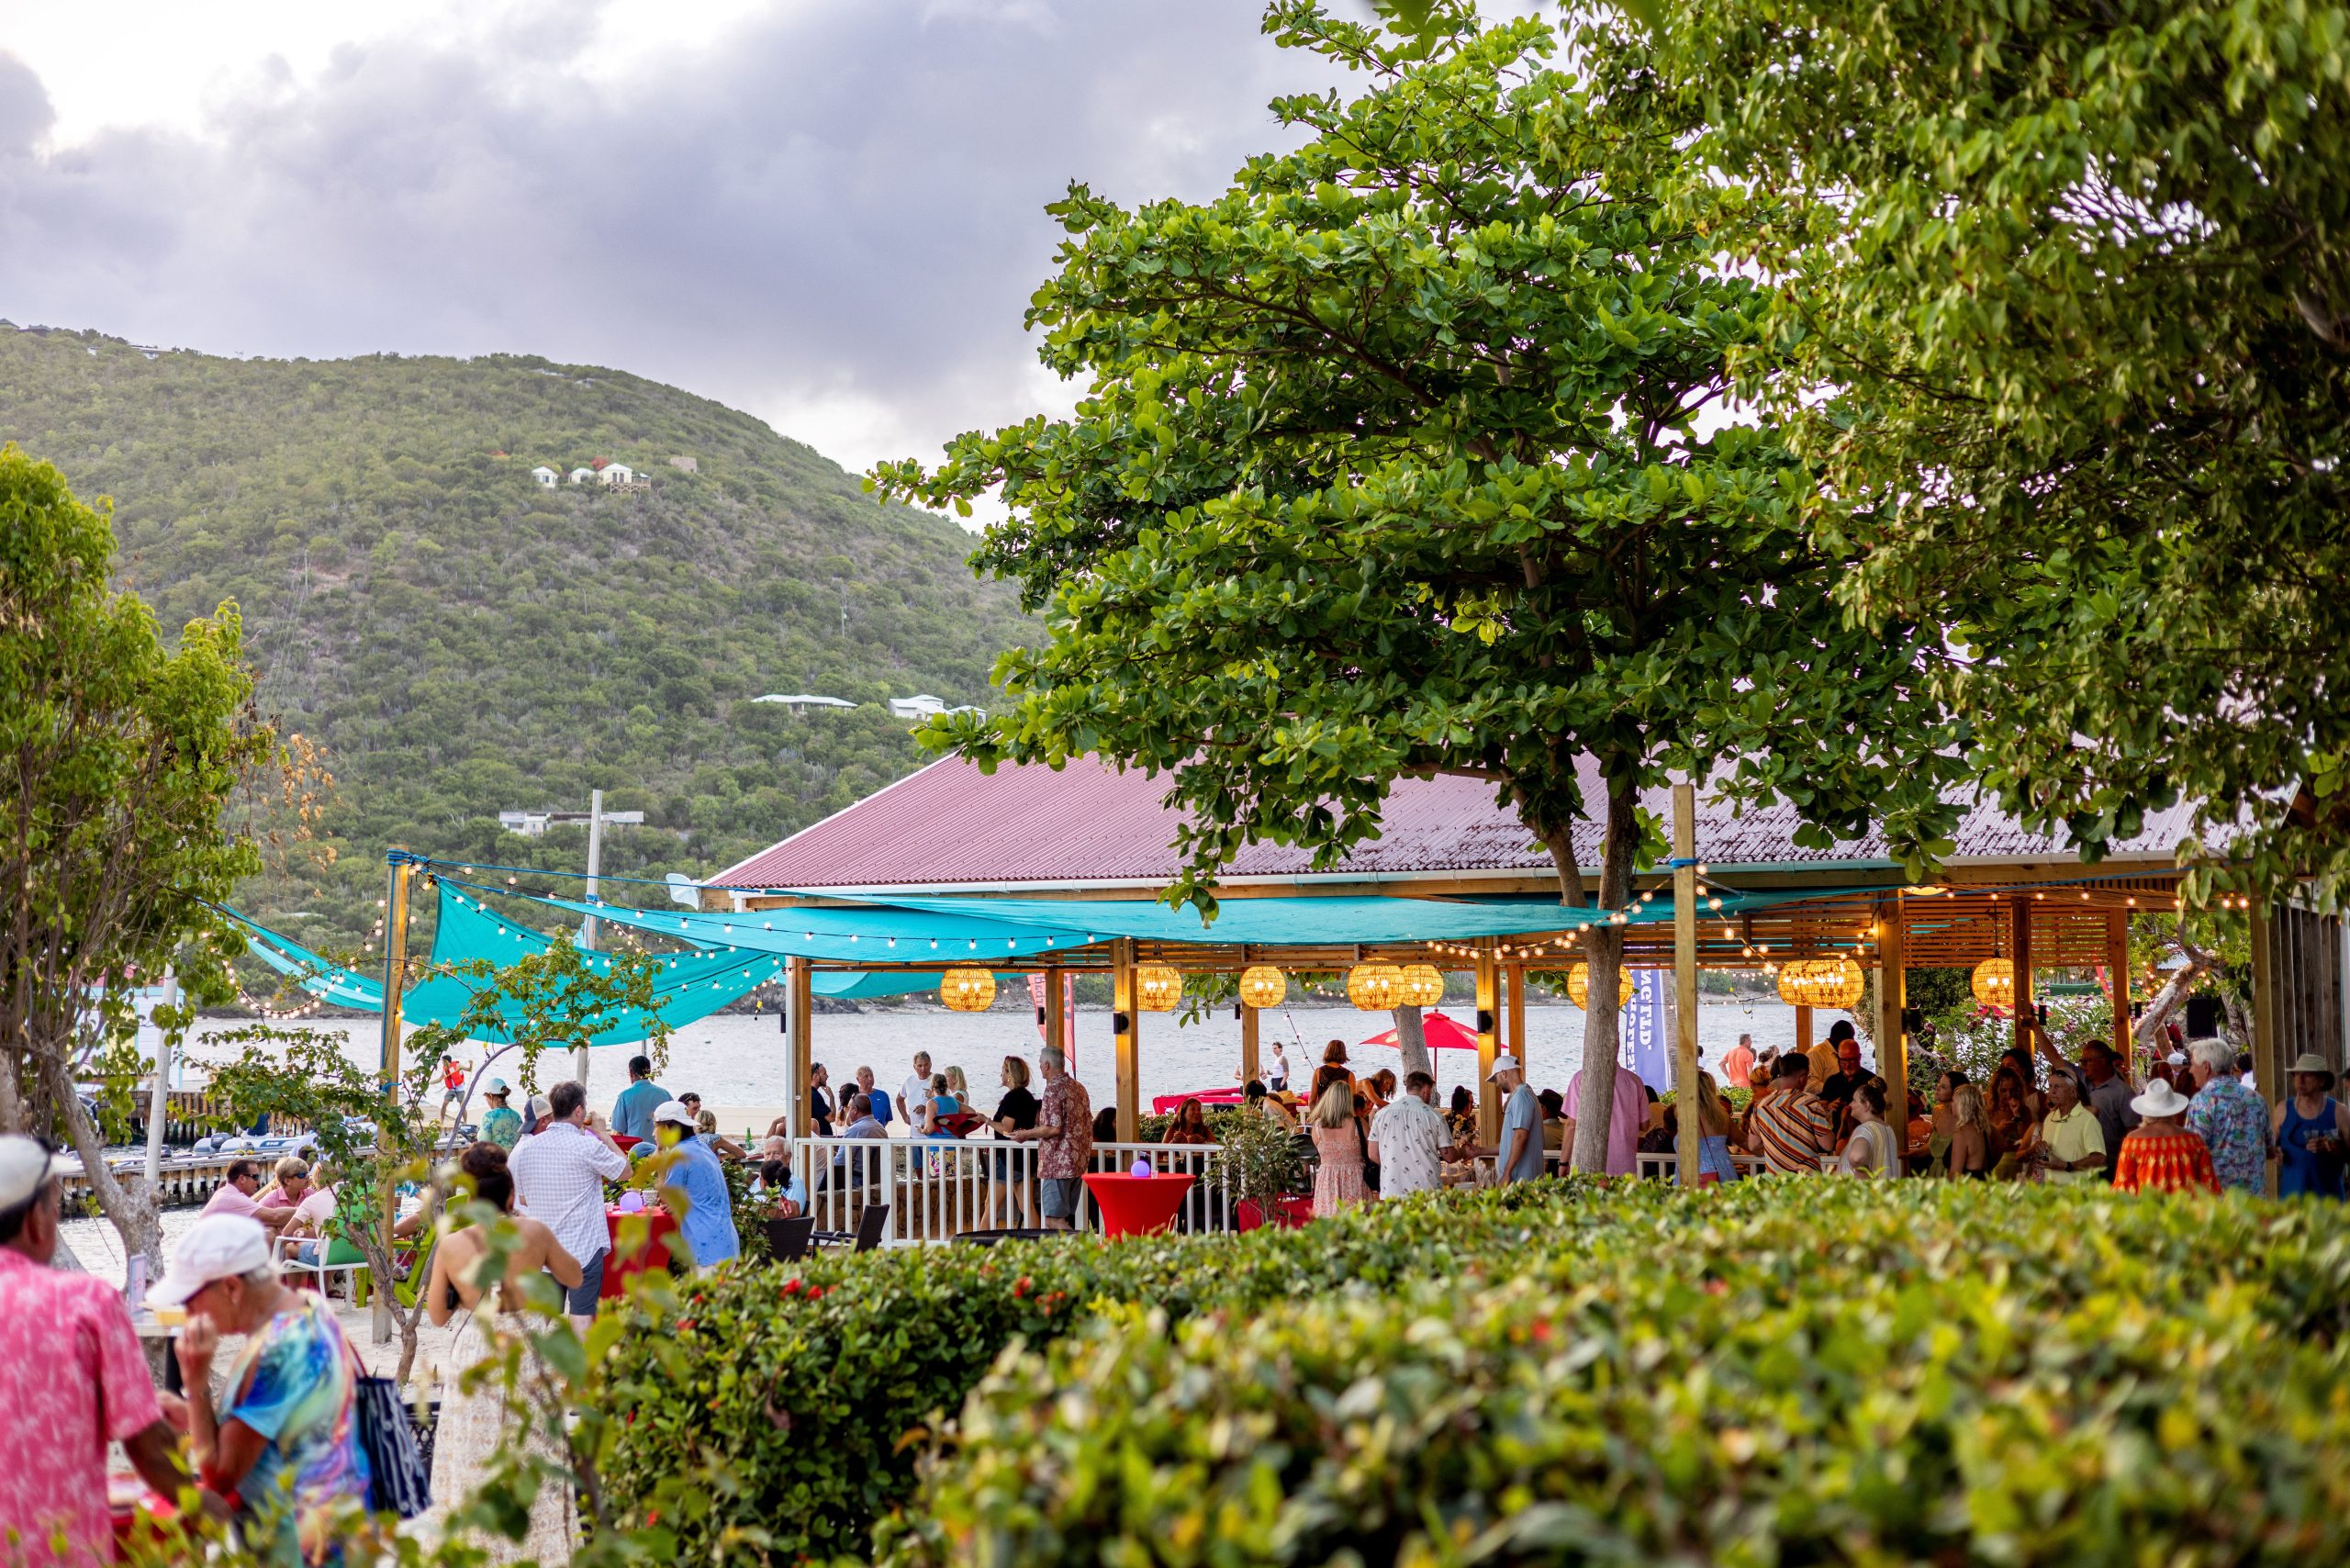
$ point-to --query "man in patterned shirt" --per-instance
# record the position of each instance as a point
(1407, 1140)
(73, 1378)
(1064, 1139)
(1794, 1128)
(2232, 1118)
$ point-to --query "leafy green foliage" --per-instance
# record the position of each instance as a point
(117, 760)
(1392, 463)
(2081, 273)
(1905, 1372)
(462, 641)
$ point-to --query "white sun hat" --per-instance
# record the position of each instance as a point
(218, 1247)
(2159, 1100)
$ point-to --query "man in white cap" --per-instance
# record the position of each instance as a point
(284, 1453)
(1521, 1155)
(694, 1187)
(72, 1380)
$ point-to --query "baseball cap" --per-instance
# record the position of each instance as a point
(25, 1164)
(539, 1107)
(673, 1110)
(1503, 1063)
(495, 1086)
(218, 1247)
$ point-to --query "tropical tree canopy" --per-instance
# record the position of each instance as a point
(2080, 274)
(1396, 460)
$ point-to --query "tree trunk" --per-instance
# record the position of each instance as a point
(1603, 947)
(1412, 1041)
(131, 1204)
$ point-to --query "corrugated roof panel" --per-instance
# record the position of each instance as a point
(951, 825)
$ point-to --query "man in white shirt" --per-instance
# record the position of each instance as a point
(559, 1180)
(915, 1092)
(1407, 1140)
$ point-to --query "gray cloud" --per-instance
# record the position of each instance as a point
(842, 203)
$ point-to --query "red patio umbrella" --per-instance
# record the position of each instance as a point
(1441, 1033)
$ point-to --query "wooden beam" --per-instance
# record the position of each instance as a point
(799, 1023)
(1684, 981)
(2267, 1059)
(1892, 1044)
(2020, 951)
(1489, 1042)
(2116, 964)
(1248, 1045)
(1513, 1014)
(1130, 1038)
(1803, 1028)
(1058, 1025)
(394, 982)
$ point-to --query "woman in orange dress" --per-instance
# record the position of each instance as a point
(2163, 1154)
(1337, 1180)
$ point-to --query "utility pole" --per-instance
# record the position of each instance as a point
(395, 978)
(158, 1098)
(587, 928)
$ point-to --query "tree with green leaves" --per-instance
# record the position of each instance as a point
(2079, 277)
(119, 759)
(1396, 460)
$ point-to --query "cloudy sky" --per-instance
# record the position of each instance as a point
(827, 212)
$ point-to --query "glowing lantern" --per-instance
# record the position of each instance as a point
(1423, 986)
(966, 990)
(1157, 988)
(1820, 982)
(1263, 986)
(1995, 983)
(1375, 987)
(1579, 985)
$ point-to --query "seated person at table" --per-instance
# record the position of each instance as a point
(1554, 1124)
(937, 1108)
(236, 1196)
(779, 1181)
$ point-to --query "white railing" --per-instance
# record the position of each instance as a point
(937, 1189)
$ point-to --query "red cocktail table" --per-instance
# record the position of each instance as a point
(655, 1254)
(1137, 1206)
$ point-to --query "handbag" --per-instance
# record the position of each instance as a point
(399, 1482)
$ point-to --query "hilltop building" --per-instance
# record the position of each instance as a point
(802, 702)
(534, 824)
(546, 475)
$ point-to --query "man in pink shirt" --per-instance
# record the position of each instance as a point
(235, 1196)
(72, 1379)
(1629, 1115)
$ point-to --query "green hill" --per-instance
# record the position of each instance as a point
(462, 640)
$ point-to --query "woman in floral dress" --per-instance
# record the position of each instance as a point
(1339, 1180)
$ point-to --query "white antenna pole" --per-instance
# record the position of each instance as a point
(588, 929)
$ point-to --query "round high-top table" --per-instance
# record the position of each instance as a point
(1137, 1206)
(655, 1254)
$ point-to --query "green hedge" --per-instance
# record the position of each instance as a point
(781, 1412)
(1778, 1372)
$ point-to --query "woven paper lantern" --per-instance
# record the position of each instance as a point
(1820, 982)
(1157, 988)
(1261, 985)
(1579, 985)
(966, 990)
(1995, 983)
(1423, 986)
(1375, 987)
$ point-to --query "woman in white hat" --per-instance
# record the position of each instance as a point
(2163, 1154)
(2309, 1133)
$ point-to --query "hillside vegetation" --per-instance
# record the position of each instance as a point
(462, 641)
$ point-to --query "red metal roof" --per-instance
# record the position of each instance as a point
(951, 826)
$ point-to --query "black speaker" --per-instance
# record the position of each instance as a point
(1913, 1020)
(2203, 1015)
(1484, 1022)
(1040, 1015)
(1120, 1024)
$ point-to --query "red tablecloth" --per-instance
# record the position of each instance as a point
(1137, 1206)
(1291, 1213)
(655, 1254)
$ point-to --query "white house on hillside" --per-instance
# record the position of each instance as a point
(581, 476)
(546, 475)
(617, 474)
(801, 701)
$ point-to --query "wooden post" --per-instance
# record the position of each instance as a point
(1687, 1130)
(2116, 964)
(1892, 1044)
(800, 996)
(1803, 1029)
(2267, 1060)
(2019, 941)
(1248, 1045)
(1128, 1021)
(1489, 1045)
(394, 982)
(1057, 1019)
(1513, 1016)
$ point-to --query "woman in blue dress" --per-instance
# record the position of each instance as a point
(1713, 1131)
(2309, 1133)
